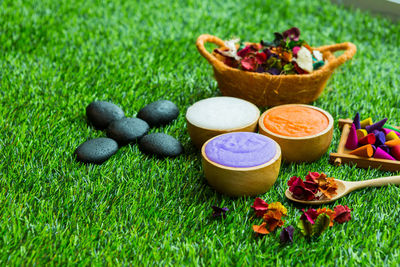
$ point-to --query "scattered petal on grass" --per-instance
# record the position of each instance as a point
(261, 229)
(328, 212)
(260, 206)
(286, 235)
(321, 224)
(277, 206)
(342, 214)
(219, 212)
(305, 227)
(273, 219)
(310, 215)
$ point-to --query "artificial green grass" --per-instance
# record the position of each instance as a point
(56, 57)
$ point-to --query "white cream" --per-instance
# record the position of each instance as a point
(222, 113)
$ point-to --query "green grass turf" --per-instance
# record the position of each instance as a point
(56, 57)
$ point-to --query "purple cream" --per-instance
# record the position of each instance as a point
(241, 149)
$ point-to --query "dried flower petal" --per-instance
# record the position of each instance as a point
(273, 71)
(304, 59)
(261, 58)
(298, 189)
(249, 63)
(232, 51)
(286, 235)
(277, 206)
(273, 219)
(219, 212)
(292, 33)
(321, 224)
(261, 229)
(313, 176)
(342, 214)
(313, 187)
(328, 212)
(260, 207)
(327, 185)
(318, 55)
(295, 50)
(310, 215)
(248, 49)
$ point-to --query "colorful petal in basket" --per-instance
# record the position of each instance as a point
(364, 151)
(352, 140)
(381, 154)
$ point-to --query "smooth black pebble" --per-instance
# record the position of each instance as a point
(127, 130)
(160, 144)
(96, 150)
(159, 113)
(102, 113)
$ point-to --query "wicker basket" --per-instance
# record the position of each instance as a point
(272, 90)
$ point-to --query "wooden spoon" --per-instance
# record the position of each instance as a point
(345, 187)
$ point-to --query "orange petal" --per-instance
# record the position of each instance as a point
(261, 229)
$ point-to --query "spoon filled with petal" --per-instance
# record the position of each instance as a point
(345, 187)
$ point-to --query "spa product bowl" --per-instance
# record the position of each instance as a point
(249, 181)
(199, 135)
(301, 149)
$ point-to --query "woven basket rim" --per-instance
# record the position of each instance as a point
(327, 50)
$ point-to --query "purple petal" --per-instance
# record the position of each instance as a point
(219, 212)
(274, 71)
(293, 34)
(287, 234)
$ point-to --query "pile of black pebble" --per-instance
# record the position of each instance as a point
(122, 131)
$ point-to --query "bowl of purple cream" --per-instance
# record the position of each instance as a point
(241, 163)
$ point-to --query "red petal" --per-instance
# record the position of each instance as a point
(261, 58)
(248, 64)
(342, 214)
(313, 176)
(292, 180)
(245, 51)
(259, 204)
(311, 215)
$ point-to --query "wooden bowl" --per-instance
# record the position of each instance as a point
(238, 181)
(199, 134)
(301, 149)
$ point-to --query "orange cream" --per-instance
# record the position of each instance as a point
(295, 121)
